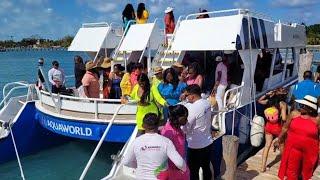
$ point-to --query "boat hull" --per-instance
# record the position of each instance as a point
(29, 136)
(86, 130)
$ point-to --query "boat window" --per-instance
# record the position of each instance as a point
(262, 71)
(278, 63)
(289, 63)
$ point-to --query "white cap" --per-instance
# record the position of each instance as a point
(309, 101)
(169, 9)
(218, 58)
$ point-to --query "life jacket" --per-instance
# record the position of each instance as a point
(272, 114)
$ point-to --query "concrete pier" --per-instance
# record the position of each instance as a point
(250, 169)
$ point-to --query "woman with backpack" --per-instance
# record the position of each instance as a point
(275, 112)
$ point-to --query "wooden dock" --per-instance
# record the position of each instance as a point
(250, 169)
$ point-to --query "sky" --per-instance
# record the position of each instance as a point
(55, 19)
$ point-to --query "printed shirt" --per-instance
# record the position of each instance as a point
(306, 87)
(56, 75)
(197, 80)
(150, 153)
(224, 71)
(91, 81)
(198, 127)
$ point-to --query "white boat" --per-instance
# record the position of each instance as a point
(239, 33)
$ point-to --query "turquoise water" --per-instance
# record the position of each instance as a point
(63, 162)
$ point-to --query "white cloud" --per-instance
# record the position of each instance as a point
(243, 4)
(294, 3)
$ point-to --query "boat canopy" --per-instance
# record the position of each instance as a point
(218, 33)
(91, 39)
(139, 35)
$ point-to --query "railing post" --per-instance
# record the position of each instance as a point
(96, 109)
(100, 143)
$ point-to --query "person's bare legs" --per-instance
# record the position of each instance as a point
(265, 152)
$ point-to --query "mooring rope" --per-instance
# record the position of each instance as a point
(16, 151)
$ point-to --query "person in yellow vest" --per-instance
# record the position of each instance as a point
(146, 98)
(142, 14)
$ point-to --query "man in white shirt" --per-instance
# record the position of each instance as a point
(150, 152)
(56, 77)
(198, 131)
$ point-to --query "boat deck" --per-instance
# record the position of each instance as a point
(102, 118)
(250, 169)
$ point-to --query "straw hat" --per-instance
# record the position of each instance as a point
(106, 63)
(218, 58)
(90, 65)
(169, 9)
(178, 65)
(309, 101)
(157, 70)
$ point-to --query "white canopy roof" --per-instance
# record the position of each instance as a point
(218, 33)
(138, 36)
(89, 39)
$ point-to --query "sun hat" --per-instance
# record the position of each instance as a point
(309, 101)
(169, 9)
(178, 65)
(90, 65)
(157, 70)
(106, 63)
(218, 58)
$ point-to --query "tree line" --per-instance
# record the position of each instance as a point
(313, 34)
(34, 42)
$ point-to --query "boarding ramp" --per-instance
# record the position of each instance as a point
(139, 41)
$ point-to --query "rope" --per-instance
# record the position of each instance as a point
(17, 154)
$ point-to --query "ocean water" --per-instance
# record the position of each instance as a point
(66, 161)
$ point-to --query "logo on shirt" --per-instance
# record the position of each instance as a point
(150, 148)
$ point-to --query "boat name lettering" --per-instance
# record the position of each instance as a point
(69, 128)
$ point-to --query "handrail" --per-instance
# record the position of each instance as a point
(10, 92)
(114, 168)
(100, 143)
(21, 83)
(214, 12)
(172, 39)
(235, 89)
(81, 98)
(116, 51)
(98, 24)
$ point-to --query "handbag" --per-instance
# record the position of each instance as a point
(212, 99)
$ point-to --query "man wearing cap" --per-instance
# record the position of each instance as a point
(150, 152)
(56, 77)
(221, 76)
(90, 80)
(157, 78)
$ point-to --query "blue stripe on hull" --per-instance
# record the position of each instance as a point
(84, 129)
(30, 137)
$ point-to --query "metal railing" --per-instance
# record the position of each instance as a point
(6, 96)
(117, 161)
(98, 24)
(100, 143)
(172, 39)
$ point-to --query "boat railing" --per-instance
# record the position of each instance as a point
(116, 51)
(100, 142)
(172, 38)
(95, 106)
(230, 12)
(16, 86)
(98, 24)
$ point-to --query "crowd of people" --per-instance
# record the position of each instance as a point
(292, 125)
